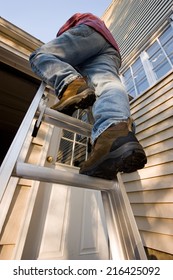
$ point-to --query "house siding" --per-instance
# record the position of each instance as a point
(150, 190)
(133, 23)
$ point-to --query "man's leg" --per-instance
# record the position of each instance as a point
(56, 63)
(115, 147)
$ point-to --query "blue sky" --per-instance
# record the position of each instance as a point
(43, 18)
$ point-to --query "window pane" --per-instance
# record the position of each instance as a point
(166, 41)
(79, 154)
(73, 148)
(142, 85)
(65, 152)
(169, 50)
(128, 83)
(153, 49)
(162, 68)
(67, 134)
(158, 60)
(139, 76)
(81, 138)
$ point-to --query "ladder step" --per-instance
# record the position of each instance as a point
(64, 121)
(46, 174)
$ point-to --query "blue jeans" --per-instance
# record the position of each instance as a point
(81, 51)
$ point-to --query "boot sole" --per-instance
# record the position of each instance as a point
(80, 101)
(128, 158)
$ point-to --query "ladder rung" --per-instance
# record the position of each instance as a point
(46, 174)
(61, 120)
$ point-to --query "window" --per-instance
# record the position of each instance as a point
(128, 82)
(158, 61)
(139, 76)
(135, 79)
(166, 41)
(74, 148)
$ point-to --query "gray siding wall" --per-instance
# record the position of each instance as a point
(132, 23)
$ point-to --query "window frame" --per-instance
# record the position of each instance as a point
(146, 64)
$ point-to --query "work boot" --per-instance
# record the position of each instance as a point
(116, 150)
(77, 95)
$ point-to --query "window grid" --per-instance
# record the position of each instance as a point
(158, 61)
(163, 46)
(139, 76)
(73, 148)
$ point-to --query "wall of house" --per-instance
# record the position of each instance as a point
(133, 23)
(150, 190)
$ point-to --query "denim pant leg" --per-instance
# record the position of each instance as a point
(112, 103)
(56, 62)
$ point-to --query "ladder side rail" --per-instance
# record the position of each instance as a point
(137, 248)
(13, 181)
(122, 229)
(16, 146)
(116, 249)
(35, 186)
(123, 234)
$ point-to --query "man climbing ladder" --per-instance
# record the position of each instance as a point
(82, 65)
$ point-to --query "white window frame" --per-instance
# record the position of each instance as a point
(151, 77)
(150, 74)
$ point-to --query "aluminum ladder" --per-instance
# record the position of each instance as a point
(125, 241)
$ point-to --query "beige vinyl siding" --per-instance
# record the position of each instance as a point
(150, 190)
(12, 225)
(133, 23)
